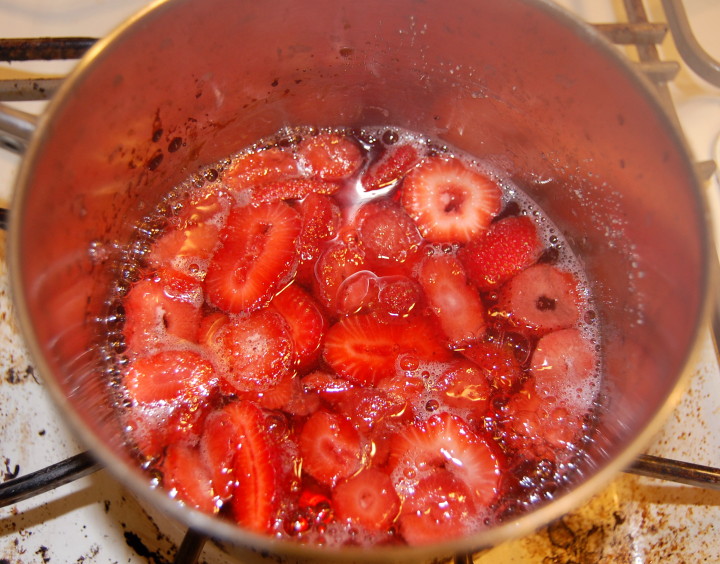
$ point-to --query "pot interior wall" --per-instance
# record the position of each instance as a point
(506, 81)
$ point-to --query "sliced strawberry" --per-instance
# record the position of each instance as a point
(368, 499)
(449, 201)
(165, 305)
(291, 189)
(387, 232)
(170, 393)
(390, 168)
(257, 350)
(463, 385)
(439, 509)
(330, 448)
(457, 305)
(256, 258)
(498, 364)
(366, 408)
(397, 296)
(170, 376)
(320, 222)
(260, 167)
(306, 321)
(447, 441)
(276, 397)
(255, 465)
(331, 156)
(541, 298)
(509, 246)
(186, 477)
(564, 365)
(365, 350)
(337, 262)
(185, 249)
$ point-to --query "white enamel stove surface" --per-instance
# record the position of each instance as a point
(95, 520)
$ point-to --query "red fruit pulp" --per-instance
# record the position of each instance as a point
(351, 343)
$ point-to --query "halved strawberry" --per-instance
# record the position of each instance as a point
(564, 365)
(449, 201)
(320, 222)
(291, 189)
(390, 168)
(260, 167)
(257, 257)
(330, 447)
(257, 351)
(457, 305)
(367, 498)
(246, 463)
(387, 233)
(331, 156)
(447, 441)
(541, 298)
(440, 508)
(509, 246)
(186, 477)
(167, 304)
(365, 350)
(463, 385)
(306, 321)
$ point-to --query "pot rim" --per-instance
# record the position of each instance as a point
(521, 526)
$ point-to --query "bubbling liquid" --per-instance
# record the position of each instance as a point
(505, 400)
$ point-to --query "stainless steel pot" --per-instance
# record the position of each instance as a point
(518, 82)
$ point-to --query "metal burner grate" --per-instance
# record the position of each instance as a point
(637, 33)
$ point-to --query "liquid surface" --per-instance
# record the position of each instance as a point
(354, 337)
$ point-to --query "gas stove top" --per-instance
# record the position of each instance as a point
(95, 520)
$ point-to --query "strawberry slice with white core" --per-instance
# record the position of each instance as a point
(330, 447)
(457, 305)
(447, 441)
(365, 349)
(257, 351)
(564, 365)
(257, 257)
(367, 498)
(542, 298)
(449, 201)
(439, 509)
(167, 304)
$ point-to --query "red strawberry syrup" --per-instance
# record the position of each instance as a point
(353, 374)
